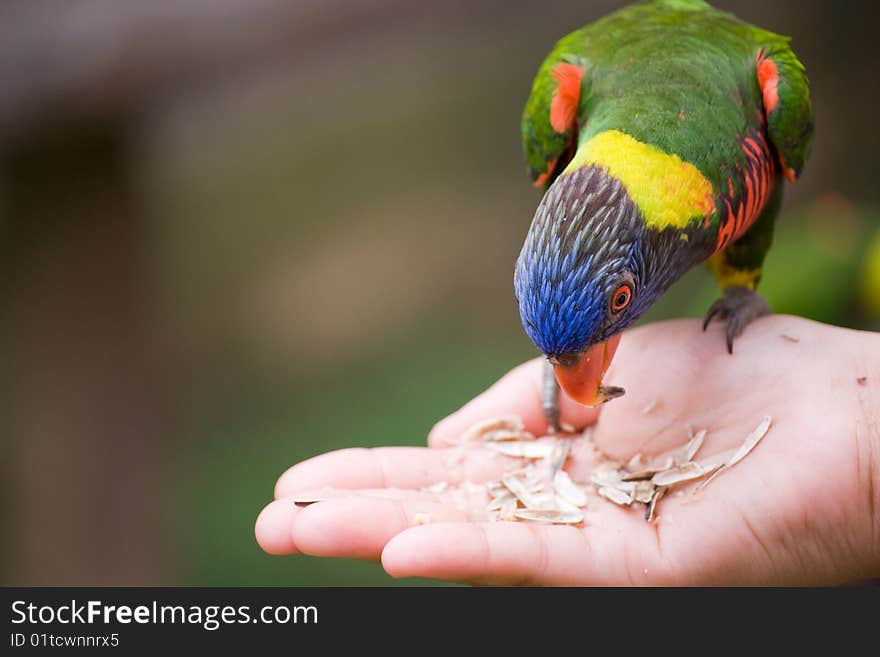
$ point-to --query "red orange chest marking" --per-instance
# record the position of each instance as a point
(755, 182)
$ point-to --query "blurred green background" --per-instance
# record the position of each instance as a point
(238, 234)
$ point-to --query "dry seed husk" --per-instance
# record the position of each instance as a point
(712, 463)
(535, 486)
(478, 430)
(569, 490)
(605, 476)
(638, 482)
(556, 516)
(614, 482)
(641, 475)
(678, 474)
(520, 490)
(501, 435)
(523, 472)
(690, 450)
(635, 462)
(496, 504)
(749, 443)
(522, 449)
(643, 492)
(500, 500)
(607, 467)
(645, 473)
(713, 468)
(652, 505)
(557, 457)
(542, 501)
(564, 505)
(615, 495)
(507, 510)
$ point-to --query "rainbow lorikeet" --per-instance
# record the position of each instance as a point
(661, 134)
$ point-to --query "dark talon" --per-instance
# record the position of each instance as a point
(739, 306)
(714, 309)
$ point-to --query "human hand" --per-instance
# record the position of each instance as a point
(802, 508)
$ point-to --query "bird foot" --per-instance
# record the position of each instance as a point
(739, 306)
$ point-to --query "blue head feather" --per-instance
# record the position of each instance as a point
(560, 304)
(585, 238)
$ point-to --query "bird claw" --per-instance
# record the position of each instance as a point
(739, 306)
(714, 309)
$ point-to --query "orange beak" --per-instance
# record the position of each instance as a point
(582, 381)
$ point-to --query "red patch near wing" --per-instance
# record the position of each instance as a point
(789, 173)
(544, 177)
(563, 108)
(768, 80)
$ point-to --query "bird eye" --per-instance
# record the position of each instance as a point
(621, 298)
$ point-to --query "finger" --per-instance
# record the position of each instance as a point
(307, 498)
(358, 527)
(516, 393)
(508, 553)
(273, 528)
(393, 467)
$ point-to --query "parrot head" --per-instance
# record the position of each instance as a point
(589, 268)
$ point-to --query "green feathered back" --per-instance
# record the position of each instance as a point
(679, 75)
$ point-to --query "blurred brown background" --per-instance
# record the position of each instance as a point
(237, 233)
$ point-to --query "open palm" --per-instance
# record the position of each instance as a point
(802, 508)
